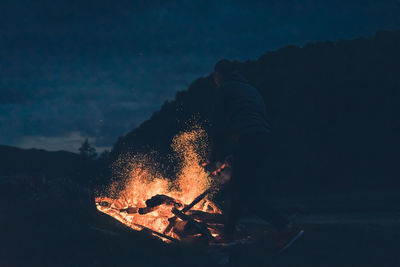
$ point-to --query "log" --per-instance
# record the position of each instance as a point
(196, 200)
(172, 220)
(200, 226)
(130, 210)
(158, 200)
(146, 210)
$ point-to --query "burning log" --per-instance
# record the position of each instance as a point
(200, 226)
(196, 200)
(146, 210)
(162, 199)
(130, 210)
(172, 220)
(157, 200)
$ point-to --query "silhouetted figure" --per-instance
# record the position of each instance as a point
(243, 131)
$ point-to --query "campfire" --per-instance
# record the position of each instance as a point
(181, 210)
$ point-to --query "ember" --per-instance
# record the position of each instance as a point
(173, 211)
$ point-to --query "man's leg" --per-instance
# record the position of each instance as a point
(287, 232)
(234, 201)
(242, 186)
(252, 155)
(245, 191)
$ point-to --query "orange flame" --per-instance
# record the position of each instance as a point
(145, 181)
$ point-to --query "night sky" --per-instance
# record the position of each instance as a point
(75, 69)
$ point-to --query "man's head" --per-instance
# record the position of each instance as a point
(222, 70)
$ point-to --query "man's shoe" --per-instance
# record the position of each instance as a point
(286, 237)
(224, 240)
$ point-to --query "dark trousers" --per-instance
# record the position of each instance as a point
(247, 184)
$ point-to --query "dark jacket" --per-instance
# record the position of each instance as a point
(240, 110)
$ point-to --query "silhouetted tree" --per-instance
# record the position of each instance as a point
(87, 151)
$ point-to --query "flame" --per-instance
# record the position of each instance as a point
(143, 180)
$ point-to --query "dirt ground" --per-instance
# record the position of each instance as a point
(348, 239)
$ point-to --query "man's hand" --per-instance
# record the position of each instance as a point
(209, 166)
(218, 169)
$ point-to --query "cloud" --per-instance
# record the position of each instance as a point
(100, 68)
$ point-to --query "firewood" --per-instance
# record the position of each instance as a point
(172, 220)
(200, 226)
(162, 199)
(196, 200)
(157, 200)
(130, 210)
(146, 210)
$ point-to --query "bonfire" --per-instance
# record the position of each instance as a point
(179, 210)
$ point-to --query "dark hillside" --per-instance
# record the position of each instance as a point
(334, 111)
(37, 163)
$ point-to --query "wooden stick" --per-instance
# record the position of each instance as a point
(196, 200)
(172, 220)
(202, 228)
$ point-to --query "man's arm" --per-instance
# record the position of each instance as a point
(218, 126)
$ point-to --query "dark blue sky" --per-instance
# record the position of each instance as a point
(71, 69)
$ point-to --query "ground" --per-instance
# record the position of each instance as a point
(54, 223)
(350, 239)
(347, 239)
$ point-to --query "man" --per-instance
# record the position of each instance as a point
(241, 129)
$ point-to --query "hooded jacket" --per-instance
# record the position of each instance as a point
(240, 110)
